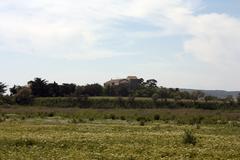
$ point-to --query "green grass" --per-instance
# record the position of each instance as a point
(51, 133)
(115, 140)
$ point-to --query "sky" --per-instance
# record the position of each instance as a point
(180, 43)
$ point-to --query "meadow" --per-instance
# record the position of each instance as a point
(74, 133)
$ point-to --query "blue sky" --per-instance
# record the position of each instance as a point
(181, 43)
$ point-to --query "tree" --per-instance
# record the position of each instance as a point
(155, 97)
(151, 83)
(229, 99)
(122, 90)
(108, 91)
(2, 88)
(209, 98)
(197, 94)
(24, 96)
(67, 89)
(53, 89)
(185, 95)
(14, 90)
(39, 87)
(163, 93)
(93, 90)
(238, 98)
(79, 91)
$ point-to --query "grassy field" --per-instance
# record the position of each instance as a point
(42, 133)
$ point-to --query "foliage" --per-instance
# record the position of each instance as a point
(238, 99)
(24, 96)
(189, 138)
(93, 90)
(2, 88)
(77, 138)
(155, 97)
(124, 102)
(197, 94)
(39, 87)
(156, 117)
(14, 90)
(210, 98)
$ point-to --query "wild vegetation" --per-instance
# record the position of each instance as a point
(146, 94)
(73, 133)
(49, 121)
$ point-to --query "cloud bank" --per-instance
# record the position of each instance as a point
(77, 29)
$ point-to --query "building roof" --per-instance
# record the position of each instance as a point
(122, 80)
(115, 81)
(132, 77)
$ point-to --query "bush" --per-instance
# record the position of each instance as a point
(8, 100)
(91, 119)
(156, 117)
(189, 138)
(142, 123)
(77, 120)
(112, 116)
(51, 114)
(122, 118)
(141, 119)
(25, 142)
(155, 97)
(196, 120)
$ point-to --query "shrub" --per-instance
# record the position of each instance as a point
(155, 97)
(121, 101)
(25, 142)
(198, 126)
(156, 117)
(141, 119)
(189, 138)
(51, 114)
(122, 118)
(142, 123)
(91, 119)
(8, 100)
(2, 119)
(112, 116)
(77, 120)
(196, 120)
(131, 100)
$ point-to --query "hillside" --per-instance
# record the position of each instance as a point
(216, 93)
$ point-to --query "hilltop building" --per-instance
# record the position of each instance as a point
(131, 81)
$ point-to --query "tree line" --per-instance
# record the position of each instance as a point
(42, 88)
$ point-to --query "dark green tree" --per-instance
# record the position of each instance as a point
(151, 83)
(67, 89)
(79, 91)
(93, 90)
(39, 87)
(14, 90)
(53, 89)
(238, 98)
(2, 88)
(122, 90)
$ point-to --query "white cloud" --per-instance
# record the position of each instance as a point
(73, 28)
(214, 39)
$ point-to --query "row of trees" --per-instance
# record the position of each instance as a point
(41, 88)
